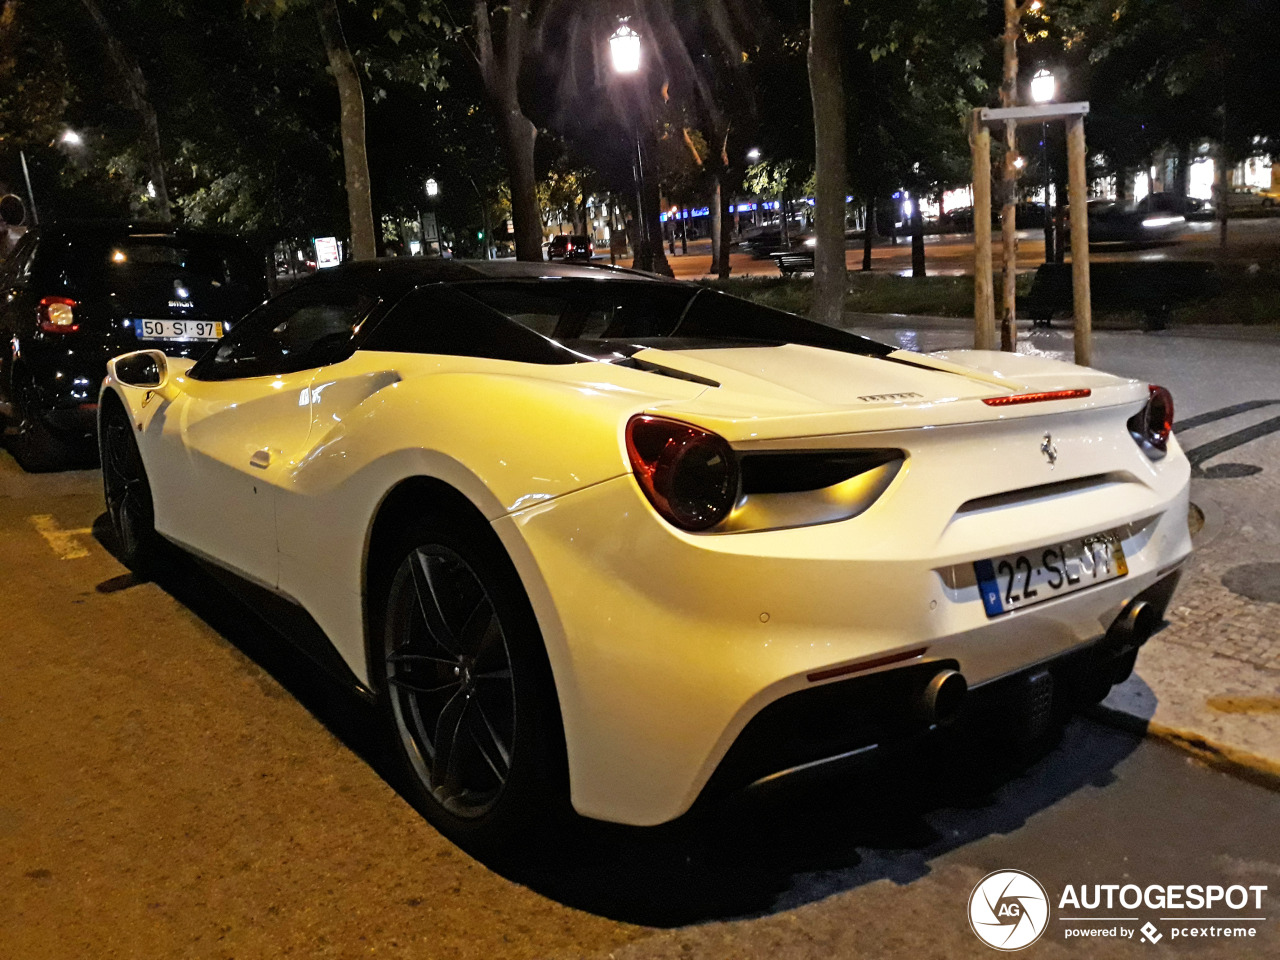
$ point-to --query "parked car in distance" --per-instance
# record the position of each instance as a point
(79, 293)
(1156, 218)
(1244, 198)
(571, 246)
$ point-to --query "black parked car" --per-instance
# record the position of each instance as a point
(77, 294)
(567, 246)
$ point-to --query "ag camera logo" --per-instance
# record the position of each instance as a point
(1008, 910)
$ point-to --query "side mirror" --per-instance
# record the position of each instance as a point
(145, 369)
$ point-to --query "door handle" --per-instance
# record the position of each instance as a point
(261, 459)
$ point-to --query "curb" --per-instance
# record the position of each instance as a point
(1256, 769)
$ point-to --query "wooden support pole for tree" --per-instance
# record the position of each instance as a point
(1009, 236)
(984, 316)
(1078, 194)
(1013, 12)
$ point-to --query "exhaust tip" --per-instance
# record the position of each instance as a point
(943, 697)
(1135, 625)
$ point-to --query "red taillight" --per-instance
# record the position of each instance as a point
(690, 475)
(58, 315)
(1152, 426)
(1037, 397)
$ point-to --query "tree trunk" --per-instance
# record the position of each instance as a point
(501, 74)
(716, 216)
(355, 159)
(917, 239)
(1222, 180)
(526, 216)
(1060, 217)
(1182, 181)
(136, 84)
(725, 239)
(826, 87)
(656, 255)
(868, 233)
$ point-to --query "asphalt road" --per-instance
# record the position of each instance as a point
(952, 254)
(175, 782)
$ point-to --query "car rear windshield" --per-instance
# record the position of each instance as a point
(596, 317)
(99, 265)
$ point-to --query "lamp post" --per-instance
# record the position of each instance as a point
(428, 223)
(1043, 89)
(624, 48)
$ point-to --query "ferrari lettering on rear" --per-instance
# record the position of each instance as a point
(883, 397)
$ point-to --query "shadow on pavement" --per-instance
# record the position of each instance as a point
(885, 819)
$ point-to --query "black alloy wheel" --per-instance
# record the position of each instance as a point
(126, 489)
(451, 681)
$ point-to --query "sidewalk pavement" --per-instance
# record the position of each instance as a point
(1210, 681)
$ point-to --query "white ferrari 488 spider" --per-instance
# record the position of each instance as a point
(592, 535)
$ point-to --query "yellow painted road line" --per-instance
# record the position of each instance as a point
(64, 543)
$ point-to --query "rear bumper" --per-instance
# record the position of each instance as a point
(666, 646)
(816, 729)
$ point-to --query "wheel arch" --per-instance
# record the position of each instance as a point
(410, 499)
(413, 498)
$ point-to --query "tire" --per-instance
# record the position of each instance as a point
(461, 671)
(127, 491)
(32, 444)
(37, 450)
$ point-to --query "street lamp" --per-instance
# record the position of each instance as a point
(624, 48)
(428, 224)
(624, 45)
(754, 154)
(1044, 87)
(72, 139)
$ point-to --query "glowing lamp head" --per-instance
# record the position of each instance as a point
(1043, 86)
(433, 188)
(624, 47)
(754, 154)
(72, 139)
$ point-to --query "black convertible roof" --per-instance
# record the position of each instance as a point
(404, 273)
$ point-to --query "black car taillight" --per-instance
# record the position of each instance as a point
(1152, 426)
(57, 315)
(690, 475)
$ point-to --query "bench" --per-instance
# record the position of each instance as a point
(1153, 288)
